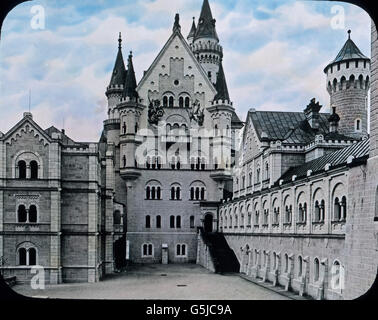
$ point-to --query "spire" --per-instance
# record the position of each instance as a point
(176, 26)
(130, 83)
(206, 23)
(193, 30)
(221, 85)
(119, 71)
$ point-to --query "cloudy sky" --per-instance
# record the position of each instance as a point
(274, 53)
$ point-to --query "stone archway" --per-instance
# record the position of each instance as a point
(208, 223)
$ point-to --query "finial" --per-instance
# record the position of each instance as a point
(176, 25)
(120, 41)
(349, 32)
(131, 54)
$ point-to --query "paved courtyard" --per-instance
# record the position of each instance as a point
(190, 282)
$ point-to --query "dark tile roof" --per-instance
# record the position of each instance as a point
(335, 159)
(193, 30)
(206, 23)
(348, 52)
(130, 83)
(289, 127)
(66, 140)
(119, 70)
(221, 86)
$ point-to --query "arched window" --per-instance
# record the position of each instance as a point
(33, 169)
(21, 169)
(192, 193)
(153, 193)
(158, 222)
(124, 128)
(316, 269)
(33, 214)
(187, 102)
(172, 193)
(171, 101)
(178, 222)
(191, 222)
(124, 161)
(147, 250)
(181, 102)
(343, 208)
(165, 101)
(32, 256)
(336, 210)
(178, 193)
(357, 126)
(158, 193)
(300, 266)
(322, 210)
(148, 222)
(266, 170)
(181, 250)
(172, 221)
(286, 270)
(317, 211)
(21, 213)
(148, 192)
(216, 130)
(22, 257)
(202, 193)
(197, 193)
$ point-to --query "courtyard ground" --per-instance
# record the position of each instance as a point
(163, 282)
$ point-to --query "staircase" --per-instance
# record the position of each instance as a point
(223, 257)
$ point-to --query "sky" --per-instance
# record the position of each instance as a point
(274, 53)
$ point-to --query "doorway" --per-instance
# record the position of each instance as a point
(208, 224)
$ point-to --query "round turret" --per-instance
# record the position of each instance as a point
(348, 81)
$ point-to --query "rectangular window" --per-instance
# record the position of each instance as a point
(192, 222)
(158, 222)
(148, 222)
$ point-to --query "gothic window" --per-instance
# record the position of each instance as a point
(33, 169)
(158, 222)
(148, 222)
(22, 169)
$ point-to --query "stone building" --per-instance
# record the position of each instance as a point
(300, 195)
(166, 182)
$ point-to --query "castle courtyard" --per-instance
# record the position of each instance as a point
(189, 281)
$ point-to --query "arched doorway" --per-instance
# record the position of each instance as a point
(208, 223)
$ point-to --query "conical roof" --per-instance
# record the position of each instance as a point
(193, 30)
(119, 70)
(206, 23)
(130, 83)
(221, 85)
(348, 52)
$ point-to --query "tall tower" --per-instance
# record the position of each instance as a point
(205, 43)
(348, 81)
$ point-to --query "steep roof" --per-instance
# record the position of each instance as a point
(130, 83)
(206, 23)
(193, 30)
(119, 70)
(66, 140)
(221, 85)
(291, 127)
(349, 51)
(335, 159)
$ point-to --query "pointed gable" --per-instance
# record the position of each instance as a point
(176, 49)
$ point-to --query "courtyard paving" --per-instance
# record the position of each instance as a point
(169, 282)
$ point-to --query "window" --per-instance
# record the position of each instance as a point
(358, 125)
(258, 175)
(191, 222)
(21, 213)
(357, 64)
(347, 64)
(27, 255)
(22, 169)
(124, 128)
(117, 217)
(158, 222)
(153, 192)
(300, 266)
(338, 66)
(178, 222)
(33, 214)
(181, 250)
(267, 171)
(175, 193)
(148, 222)
(197, 193)
(124, 161)
(288, 214)
(181, 102)
(187, 102)
(33, 169)
(316, 269)
(172, 221)
(336, 210)
(209, 75)
(165, 101)
(171, 101)
(343, 208)
(286, 270)
(147, 250)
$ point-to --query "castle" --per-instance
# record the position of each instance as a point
(167, 183)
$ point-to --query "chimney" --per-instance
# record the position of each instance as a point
(333, 121)
(312, 114)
